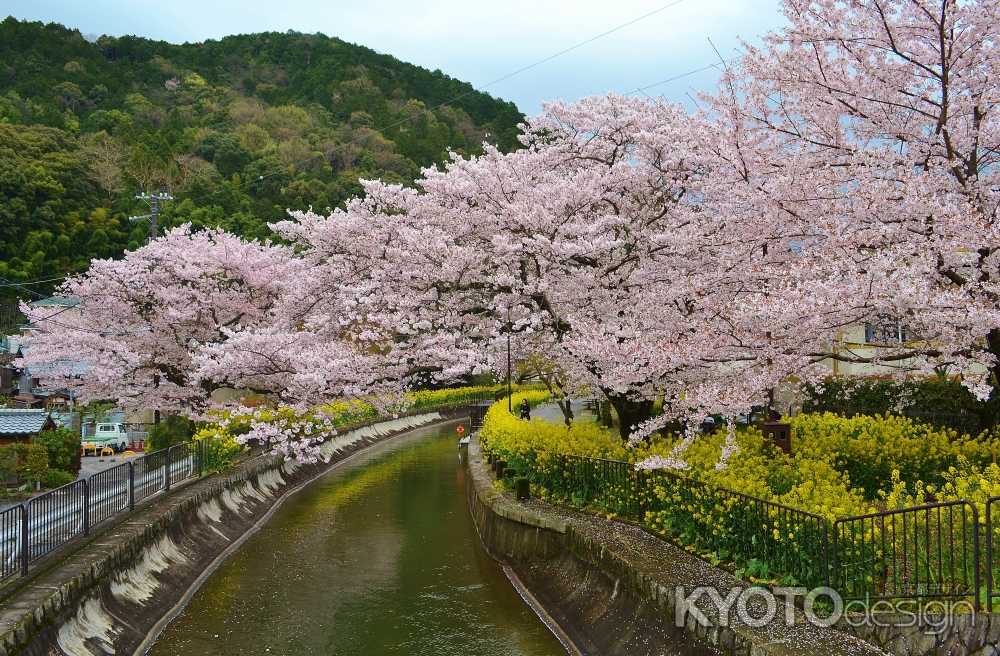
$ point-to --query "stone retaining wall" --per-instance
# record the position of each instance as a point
(106, 597)
(929, 634)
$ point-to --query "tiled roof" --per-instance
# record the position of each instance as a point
(22, 421)
(56, 301)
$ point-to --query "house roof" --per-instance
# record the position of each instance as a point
(22, 421)
(56, 301)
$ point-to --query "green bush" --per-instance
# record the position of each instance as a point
(63, 447)
(940, 402)
(8, 462)
(174, 429)
(57, 478)
(32, 462)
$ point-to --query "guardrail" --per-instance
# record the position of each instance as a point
(937, 551)
(32, 530)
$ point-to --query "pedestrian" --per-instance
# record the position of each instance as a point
(525, 410)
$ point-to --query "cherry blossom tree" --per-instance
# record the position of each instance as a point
(138, 322)
(845, 172)
(858, 152)
(592, 236)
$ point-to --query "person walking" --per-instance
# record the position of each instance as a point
(524, 410)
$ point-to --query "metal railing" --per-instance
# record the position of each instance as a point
(712, 519)
(990, 542)
(32, 530)
(943, 550)
(923, 552)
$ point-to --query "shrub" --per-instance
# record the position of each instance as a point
(8, 463)
(940, 402)
(219, 448)
(63, 447)
(33, 462)
(174, 429)
(57, 478)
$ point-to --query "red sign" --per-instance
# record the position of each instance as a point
(460, 429)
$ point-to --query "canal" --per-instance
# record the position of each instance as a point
(378, 557)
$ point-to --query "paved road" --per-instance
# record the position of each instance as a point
(551, 411)
(90, 465)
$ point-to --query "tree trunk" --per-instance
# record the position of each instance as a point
(993, 405)
(565, 404)
(631, 412)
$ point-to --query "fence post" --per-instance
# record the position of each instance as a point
(988, 522)
(166, 469)
(25, 555)
(976, 557)
(86, 506)
(827, 565)
(200, 454)
(835, 569)
(131, 487)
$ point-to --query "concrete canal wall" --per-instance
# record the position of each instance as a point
(115, 593)
(612, 587)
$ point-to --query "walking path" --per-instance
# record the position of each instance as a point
(551, 411)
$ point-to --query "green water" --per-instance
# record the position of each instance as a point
(379, 557)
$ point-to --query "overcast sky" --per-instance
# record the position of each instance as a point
(474, 41)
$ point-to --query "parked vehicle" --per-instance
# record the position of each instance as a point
(112, 436)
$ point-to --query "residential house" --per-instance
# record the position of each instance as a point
(22, 424)
(26, 390)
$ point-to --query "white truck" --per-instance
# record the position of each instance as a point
(112, 436)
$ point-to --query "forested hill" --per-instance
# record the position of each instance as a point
(237, 130)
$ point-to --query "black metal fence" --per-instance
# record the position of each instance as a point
(34, 529)
(924, 552)
(937, 551)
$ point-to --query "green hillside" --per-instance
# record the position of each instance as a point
(237, 130)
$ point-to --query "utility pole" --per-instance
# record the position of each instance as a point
(510, 394)
(153, 217)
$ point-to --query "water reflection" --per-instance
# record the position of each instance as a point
(378, 558)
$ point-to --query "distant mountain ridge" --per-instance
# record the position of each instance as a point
(238, 129)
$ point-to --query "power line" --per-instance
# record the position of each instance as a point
(545, 60)
(11, 283)
(30, 282)
(674, 78)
